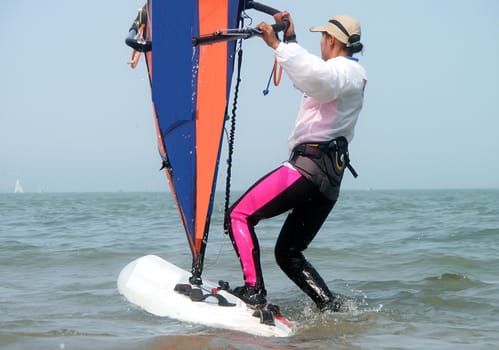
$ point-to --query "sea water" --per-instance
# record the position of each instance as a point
(419, 270)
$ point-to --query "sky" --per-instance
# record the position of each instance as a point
(75, 118)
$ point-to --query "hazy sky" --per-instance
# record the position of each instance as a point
(75, 117)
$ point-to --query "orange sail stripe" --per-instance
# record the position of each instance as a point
(211, 102)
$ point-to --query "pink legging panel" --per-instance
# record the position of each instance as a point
(258, 196)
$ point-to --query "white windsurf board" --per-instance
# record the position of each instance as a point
(150, 282)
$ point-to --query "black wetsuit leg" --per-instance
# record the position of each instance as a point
(300, 228)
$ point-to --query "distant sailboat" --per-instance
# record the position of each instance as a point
(19, 187)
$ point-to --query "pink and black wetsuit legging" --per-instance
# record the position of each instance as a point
(281, 190)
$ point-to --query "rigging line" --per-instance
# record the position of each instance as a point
(245, 16)
(232, 136)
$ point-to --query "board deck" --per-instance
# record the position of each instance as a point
(150, 282)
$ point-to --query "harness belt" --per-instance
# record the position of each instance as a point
(316, 150)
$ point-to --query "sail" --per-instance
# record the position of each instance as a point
(18, 188)
(190, 89)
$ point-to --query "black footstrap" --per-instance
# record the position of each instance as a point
(221, 299)
(196, 294)
(265, 312)
(266, 315)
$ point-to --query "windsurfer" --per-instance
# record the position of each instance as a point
(308, 184)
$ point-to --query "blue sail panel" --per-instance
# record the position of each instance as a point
(190, 89)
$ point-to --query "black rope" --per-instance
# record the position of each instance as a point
(232, 137)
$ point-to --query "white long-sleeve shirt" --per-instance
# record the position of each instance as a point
(333, 94)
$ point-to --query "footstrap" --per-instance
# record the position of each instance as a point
(266, 315)
(197, 295)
